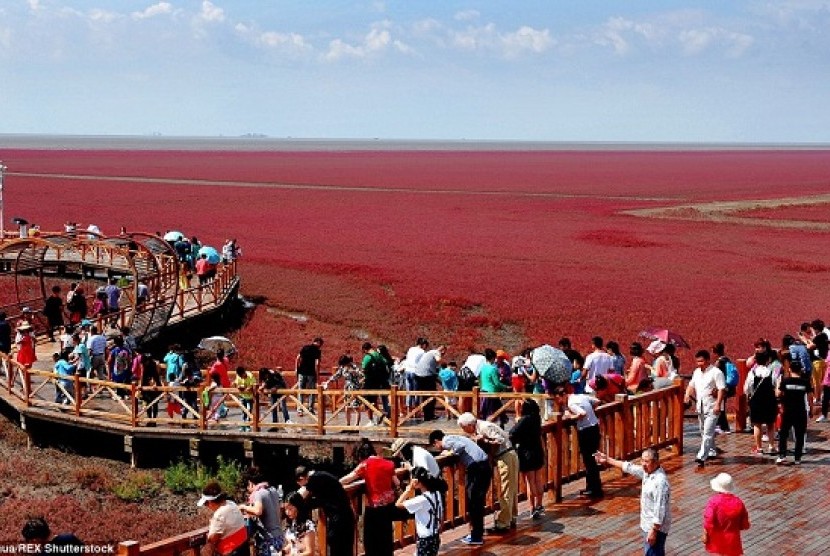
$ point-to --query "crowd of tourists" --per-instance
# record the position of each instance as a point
(780, 387)
(784, 384)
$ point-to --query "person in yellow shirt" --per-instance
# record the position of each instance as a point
(245, 382)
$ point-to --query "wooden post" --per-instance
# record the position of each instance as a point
(202, 410)
(476, 404)
(27, 385)
(741, 404)
(77, 390)
(626, 425)
(393, 411)
(129, 548)
(678, 409)
(558, 443)
(133, 406)
(321, 413)
(255, 412)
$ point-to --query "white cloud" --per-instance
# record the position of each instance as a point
(162, 8)
(683, 29)
(467, 15)
(211, 12)
(292, 41)
(34, 5)
(102, 16)
(619, 32)
(696, 41)
(508, 45)
(377, 40)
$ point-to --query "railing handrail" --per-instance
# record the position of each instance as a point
(660, 410)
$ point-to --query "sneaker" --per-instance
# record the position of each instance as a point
(370, 424)
(718, 431)
(289, 422)
(535, 514)
(713, 453)
(496, 530)
(471, 541)
(821, 419)
(780, 461)
(765, 438)
(797, 462)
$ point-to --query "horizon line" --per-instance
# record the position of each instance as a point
(261, 142)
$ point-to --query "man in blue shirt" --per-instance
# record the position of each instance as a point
(479, 473)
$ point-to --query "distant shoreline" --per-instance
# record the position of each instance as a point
(269, 144)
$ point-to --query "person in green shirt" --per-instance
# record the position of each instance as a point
(488, 382)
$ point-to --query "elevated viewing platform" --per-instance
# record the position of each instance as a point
(30, 266)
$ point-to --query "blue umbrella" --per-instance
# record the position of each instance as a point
(212, 254)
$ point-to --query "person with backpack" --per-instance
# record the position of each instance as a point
(262, 513)
(763, 407)
(730, 372)
(376, 377)
(120, 363)
(427, 508)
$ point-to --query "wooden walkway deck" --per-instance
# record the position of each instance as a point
(786, 507)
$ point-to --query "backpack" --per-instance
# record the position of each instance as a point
(466, 379)
(731, 372)
(376, 371)
(122, 362)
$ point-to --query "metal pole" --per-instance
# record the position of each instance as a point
(2, 218)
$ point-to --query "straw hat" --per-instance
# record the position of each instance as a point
(398, 445)
(722, 483)
(24, 326)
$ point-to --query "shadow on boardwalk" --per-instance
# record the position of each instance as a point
(785, 504)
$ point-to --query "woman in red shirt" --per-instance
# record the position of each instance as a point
(724, 519)
(381, 482)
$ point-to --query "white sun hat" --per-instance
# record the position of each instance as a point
(722, 483)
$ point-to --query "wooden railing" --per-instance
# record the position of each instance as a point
(186, 303)
(179, 407)
(629, 425)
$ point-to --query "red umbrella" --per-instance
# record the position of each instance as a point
(665, 335)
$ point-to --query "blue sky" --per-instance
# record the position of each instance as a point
(733, 71)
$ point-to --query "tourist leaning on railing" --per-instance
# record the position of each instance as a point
(323, 490)
(380, 483)
(478, 477)
(227, 534)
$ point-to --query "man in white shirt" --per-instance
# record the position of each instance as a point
(426, 377)
(410, 365)
(709, 387)
(598, 362)
(655, 507)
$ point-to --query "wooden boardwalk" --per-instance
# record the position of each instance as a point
(787, 507)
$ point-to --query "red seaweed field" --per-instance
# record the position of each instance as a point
(473, 249)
